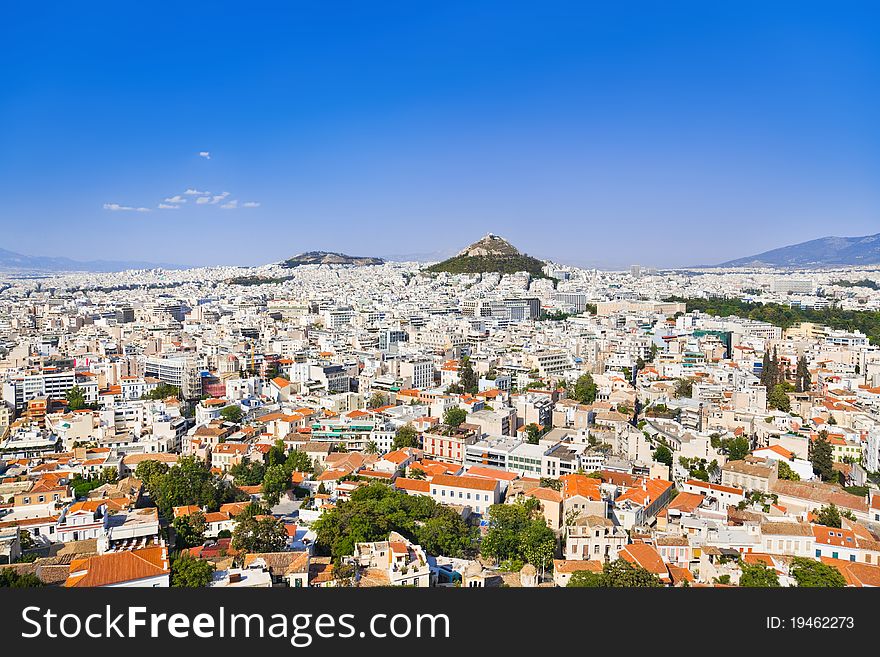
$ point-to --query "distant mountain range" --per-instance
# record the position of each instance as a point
(330, 258)
(822, 252)
(11, 261)
(490, 254)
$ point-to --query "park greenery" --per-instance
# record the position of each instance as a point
(375, 510)
(866, 321)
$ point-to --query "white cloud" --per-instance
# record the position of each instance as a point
(201, 200)
(195, 192)
(116, 207)
(250, 204)
(230, 206)
(219, 197)
(205, 154)
(175, 199)
(166, 206)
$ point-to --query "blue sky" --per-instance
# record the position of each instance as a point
(664, 133)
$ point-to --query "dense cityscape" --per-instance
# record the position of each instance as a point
(490, 420)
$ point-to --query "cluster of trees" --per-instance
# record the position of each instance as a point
(162, 391)
(868, 322)
(865, 282)
(13, 580)
(501, 263)
(256, 531)
(699, 468)
(82, 486)
(584, 389)
(518, 532)
(375, 510)
(758, 575)
(468, 382)
(616, 574)
(831, 516)
(813, 574)
(190, 481)
(281, 464)
(736, 448)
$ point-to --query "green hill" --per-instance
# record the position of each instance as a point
(490, 254)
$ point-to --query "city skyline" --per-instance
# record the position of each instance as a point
(708, 134)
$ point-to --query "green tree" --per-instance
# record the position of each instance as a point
(371, 448)
(298, 461)
(663, 455)
(189, 572)
(277, 454)
(259, 534)
(189, 530)
(803, 378)
(822, 457)
(467, 377)
(585, 579)
(150, 472)
(406, 436)
(829, 516)
(815, 574)
(454, 416)
(736, 448)
(585, 389)
(377, 400)
(758, 576)
(163, 391)
(248, 473)
(779, 399)
(190, 481)
(785, 472)
(232, 414)
(76, 399)
(519, 531)
(275, 483)
(622, 574)
(684, 388)
(533, 431)
(12, 580)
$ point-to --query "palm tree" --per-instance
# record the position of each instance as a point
(371, 448)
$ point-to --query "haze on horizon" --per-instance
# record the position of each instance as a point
(668, 134)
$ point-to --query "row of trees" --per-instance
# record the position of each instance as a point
(189, 481)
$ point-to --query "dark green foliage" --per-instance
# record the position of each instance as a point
(232, 414)
(248, 473)
(189, 530)
(374, 511)
(12, 580)
(406, 436)
(616, 574)
(258, 534)
(585, 389)
(163, 391)
(190, 481)
(758, 576)
(189, 572)
(822, 457)
(454, 416)
(684, 388)
(809, 573)
(519, 531)
(663, 455)
(503, 264)
(467, 378)
(778, 399)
